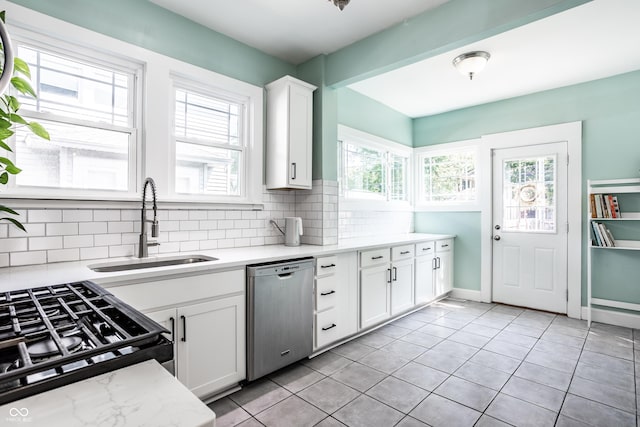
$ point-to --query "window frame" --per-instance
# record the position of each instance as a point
(471, 145)
(367, 140)
(118, 63)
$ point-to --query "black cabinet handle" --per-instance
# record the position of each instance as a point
(395, 274)
(434, 264)
(444, 246)
(327, 266)
(327, 293)
(426, 249)
(173, 328)
(389, 279)
(377, 257)
(293, 174)
(438, 262)
(333, 325)
(405, 252)
(184, 329)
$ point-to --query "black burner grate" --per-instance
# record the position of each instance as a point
(54, 335)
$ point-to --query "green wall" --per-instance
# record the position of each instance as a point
(142, 23)
(610, 111)
(368, 115)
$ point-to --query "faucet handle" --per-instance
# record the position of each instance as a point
(153, 243)
(155, 229)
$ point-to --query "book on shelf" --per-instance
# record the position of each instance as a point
(604, 206)
(602, 235)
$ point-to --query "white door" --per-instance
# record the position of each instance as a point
(211, 345)
(374, 294)
(530, 226)
(401, 286)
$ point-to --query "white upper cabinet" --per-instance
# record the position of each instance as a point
(289, 133)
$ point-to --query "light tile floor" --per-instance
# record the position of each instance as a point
(456, 363)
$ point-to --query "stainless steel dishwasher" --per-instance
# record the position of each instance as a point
(279, 315)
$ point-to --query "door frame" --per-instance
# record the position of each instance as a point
(572, 134)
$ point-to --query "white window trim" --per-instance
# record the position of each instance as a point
(116, 62)
(376, 142)
(441, 149)
(154, 139)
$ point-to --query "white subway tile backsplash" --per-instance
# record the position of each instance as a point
(4, 260)
(197, 215)
(215, 215)
(61, 255)
(198, 235)
(132, 238)
(83, 241)
(189, 225)
(77, 215)
(13, 244)
(27, 258)
(189, 246)
(225, 224)
(92, 228)
(178, 215)
(4, 231)
(121, 250)
(168, 247)
(208, 244)
(249, 215)
(178, 236)
(45, 215)
(33, 230)
(217, 234)
(169, 225)
(131, 215)
(62, 229)
(94, 253)
(120, 227)
(108, 239)
(43, 243)
(233, 233)
(232, 215)
(106, 215)
(208, 225)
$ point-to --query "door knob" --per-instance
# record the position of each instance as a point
(496, 237)
(497, 227)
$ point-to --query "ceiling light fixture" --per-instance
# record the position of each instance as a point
(470, 63)
(341, 3)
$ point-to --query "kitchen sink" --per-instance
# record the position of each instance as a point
(137, 264)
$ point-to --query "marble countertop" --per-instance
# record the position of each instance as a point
(12, 278)
(144, 394)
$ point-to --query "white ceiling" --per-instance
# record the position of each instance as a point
(592, 41)
(297, 30)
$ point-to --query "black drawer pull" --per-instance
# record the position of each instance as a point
(333, 325)
(377, 257)
(324, 294)
(184, 329)
(405, 252)
(327, 266)
(426, 249)
(444, 246)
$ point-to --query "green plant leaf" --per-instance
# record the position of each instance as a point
(5, 133)
(5, 146)
(9, 166)
(13, 102)
(39, 130)
(8, 210)
(20, 66)
(4, 178)
(4, 124)
(15, 222)
(2, 15)
(16, 118)
(23, 86)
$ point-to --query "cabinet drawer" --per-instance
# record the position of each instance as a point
(327, 330)
(326, 292)
(402, 252)
(374, 257)
(326, 265)
(425, 248)
(444, 245)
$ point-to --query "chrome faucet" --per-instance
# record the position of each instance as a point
(143, 247)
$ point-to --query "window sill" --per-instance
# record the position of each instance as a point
(373, 205)
(471, 207)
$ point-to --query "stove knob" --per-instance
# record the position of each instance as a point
(106, 329)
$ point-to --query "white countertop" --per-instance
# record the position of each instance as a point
(12, 278)
(139, 395)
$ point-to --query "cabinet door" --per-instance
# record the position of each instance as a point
(401, 286)
(167, 319)
(424, 290)
(347, 278)
(211, 345)
(374, 295)
(300, 136)
(444, 272)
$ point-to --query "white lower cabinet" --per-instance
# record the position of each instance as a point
(444, 272)
(336, 295)
(401, 286)
(434, 270)
(374, 295)
(208, 333)
(424, 289)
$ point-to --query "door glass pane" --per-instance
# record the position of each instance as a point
(529, 202)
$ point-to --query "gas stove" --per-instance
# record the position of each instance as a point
(55, 335)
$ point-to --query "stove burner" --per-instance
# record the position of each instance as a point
(48, 348)
(30, 315)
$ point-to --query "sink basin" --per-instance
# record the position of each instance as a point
(141, 263)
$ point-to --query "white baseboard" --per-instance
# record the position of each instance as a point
(467, 294)
(613, 317)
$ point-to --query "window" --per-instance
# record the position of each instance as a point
(447, 177)
(88, 107)
(372, 168)
(210, 145)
